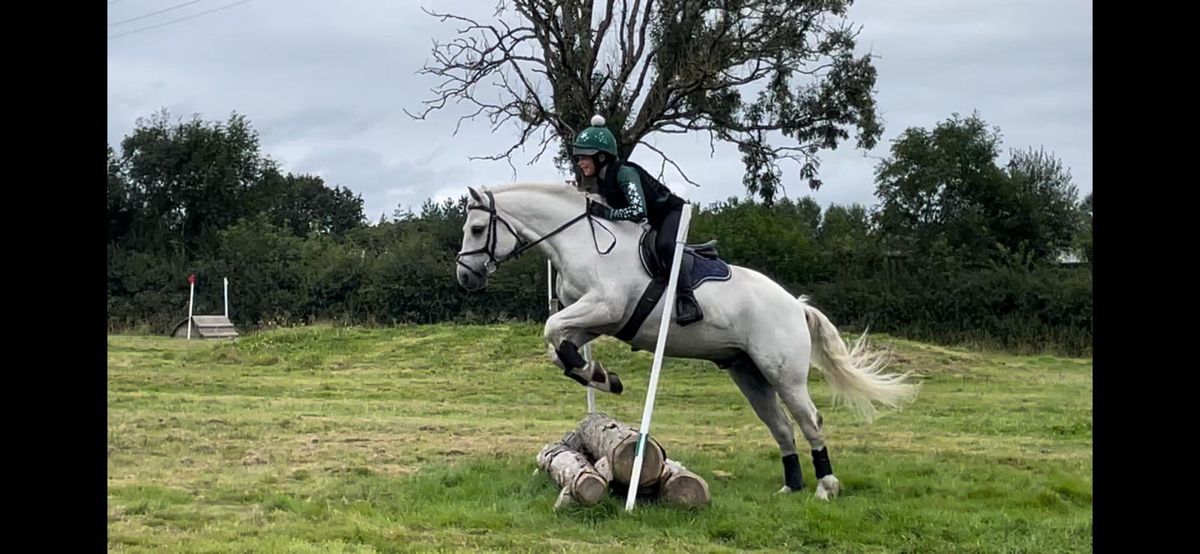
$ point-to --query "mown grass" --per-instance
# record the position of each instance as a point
(423, 438)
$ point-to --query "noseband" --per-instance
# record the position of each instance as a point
(489, 245)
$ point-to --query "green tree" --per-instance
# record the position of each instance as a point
(1039, 214)
(192, 178)
(121, 208)
(846, 241)
(942, 191)
(1083, 240)
(304, 205)
(265, 262)
(778, 240)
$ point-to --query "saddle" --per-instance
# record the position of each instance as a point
(700, 261)
(657, 269)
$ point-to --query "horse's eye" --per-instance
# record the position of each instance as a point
(477, 229)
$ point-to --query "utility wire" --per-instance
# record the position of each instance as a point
(227, 6)
(152, 14)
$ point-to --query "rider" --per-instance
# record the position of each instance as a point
(634, 196)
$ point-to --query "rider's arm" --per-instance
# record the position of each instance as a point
(631, 185)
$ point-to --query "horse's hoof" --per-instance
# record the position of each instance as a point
(614, 383)
(603, 379)
(786, 489)
(828, 487)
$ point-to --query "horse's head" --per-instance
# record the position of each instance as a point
(490, 235)
(487, 241)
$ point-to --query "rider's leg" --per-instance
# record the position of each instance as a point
(687, 310)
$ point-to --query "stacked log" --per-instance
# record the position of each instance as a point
(682, 487)
(568, 467)
(598, 457)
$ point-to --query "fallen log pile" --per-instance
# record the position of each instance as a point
(598, 456)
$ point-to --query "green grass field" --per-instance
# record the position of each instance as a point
(423, 438)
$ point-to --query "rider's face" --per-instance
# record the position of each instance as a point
(587, 165)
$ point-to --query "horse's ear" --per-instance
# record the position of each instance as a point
(475, 194)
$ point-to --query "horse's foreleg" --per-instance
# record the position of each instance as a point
(567, 331)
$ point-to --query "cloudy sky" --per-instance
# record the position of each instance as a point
(326, 82)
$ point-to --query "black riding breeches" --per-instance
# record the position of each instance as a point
(664, 243)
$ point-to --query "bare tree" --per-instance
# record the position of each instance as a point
(754, 73)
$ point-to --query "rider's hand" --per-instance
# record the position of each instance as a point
(597, 209)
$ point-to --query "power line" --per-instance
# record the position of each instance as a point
(185, 18)
(151, 14)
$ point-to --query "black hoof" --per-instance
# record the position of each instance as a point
(594, 375)
(614, 383)
(605, 380)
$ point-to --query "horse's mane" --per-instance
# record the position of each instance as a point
(557, 189)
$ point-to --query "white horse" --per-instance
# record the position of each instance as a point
(760, 333)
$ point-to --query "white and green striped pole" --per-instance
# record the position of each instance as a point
(668, 314)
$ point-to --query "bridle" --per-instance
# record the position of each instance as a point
(489, 244)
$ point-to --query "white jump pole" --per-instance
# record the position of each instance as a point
(226, 297)
(550, 287)
(668, 314)
(191, 299)
(587, 348)
(591, 392)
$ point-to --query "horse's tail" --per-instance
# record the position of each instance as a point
(854, 373)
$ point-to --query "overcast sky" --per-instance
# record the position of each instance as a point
(325, 83)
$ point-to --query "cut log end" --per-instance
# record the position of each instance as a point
(605, 437)
(571, 470)
(686, 490)
(624, 456)
(589, 488)
(682, 487)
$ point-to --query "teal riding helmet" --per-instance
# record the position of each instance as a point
(596, 138)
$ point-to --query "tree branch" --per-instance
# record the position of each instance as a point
(665, 161)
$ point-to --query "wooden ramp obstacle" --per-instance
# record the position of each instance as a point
(206, 327)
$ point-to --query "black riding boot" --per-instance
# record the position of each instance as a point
(687, 310)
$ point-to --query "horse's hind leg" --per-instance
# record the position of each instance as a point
(800, 403)
(788, 373)
(761, 394)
